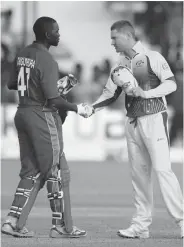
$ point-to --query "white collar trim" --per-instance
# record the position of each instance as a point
(138, 47)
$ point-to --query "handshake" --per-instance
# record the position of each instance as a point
(67, 83)
(85, 110)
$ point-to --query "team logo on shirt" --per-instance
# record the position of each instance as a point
(139, 63)
(165, 66)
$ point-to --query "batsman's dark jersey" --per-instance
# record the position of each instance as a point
(39, 127)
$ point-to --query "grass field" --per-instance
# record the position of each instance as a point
(102, 203)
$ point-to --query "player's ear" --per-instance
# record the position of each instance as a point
(128, 35)
(47, 35)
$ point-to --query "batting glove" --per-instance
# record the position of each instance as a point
(65, 84)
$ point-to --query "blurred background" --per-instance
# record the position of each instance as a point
(101, 189)
(85, 51)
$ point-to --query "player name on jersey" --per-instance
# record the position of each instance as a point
(27, 62)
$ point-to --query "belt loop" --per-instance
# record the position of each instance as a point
(134, 121)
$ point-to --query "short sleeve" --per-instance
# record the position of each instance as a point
(49, 75)
(110, 87)
(12, 82)
(160, 66)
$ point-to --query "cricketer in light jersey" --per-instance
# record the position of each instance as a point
(146, 128)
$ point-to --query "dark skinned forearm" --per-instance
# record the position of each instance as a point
(62, 104)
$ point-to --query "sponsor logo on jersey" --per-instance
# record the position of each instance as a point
(139, 63)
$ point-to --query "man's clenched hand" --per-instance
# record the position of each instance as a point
(138, 92)
(85, 110)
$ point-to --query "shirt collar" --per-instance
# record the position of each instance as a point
(138, 47)
(40, 46)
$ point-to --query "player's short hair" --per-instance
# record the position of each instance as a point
(124, 26)
(41, 26)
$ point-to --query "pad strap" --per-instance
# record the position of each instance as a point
(55, 196)
(24, 198)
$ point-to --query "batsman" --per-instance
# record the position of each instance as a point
(38, 121)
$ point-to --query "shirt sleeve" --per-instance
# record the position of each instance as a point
(49, 75)
(160, 66)
(12, 82)
(110, 93)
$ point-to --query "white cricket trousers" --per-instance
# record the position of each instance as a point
(148, 148)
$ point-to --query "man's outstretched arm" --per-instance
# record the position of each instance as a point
(110, 93)
(106, 98)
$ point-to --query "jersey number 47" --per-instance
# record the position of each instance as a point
(23, 80)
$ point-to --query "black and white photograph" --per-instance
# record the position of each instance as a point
(92, 124)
